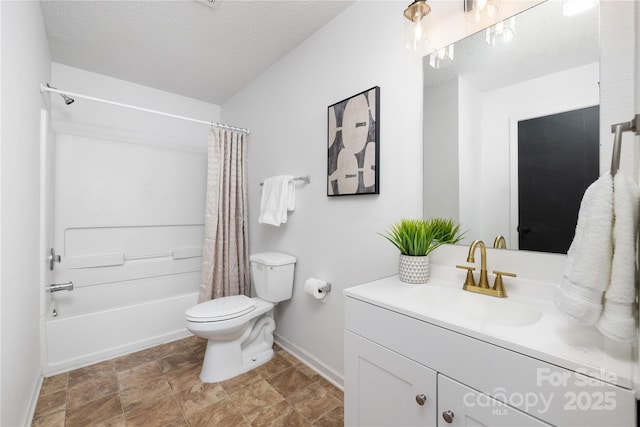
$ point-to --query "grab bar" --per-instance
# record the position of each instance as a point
(618, 129)
(56, 287)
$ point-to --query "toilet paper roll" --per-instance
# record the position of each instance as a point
(312, 287)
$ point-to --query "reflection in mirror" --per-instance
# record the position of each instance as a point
(511, 130)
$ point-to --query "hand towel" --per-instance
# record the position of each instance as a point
(588, 267)
(291, 195)
(275, 200)
(618, 320)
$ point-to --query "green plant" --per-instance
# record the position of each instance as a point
(420, 237)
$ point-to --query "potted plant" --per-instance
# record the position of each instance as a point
(416, 239)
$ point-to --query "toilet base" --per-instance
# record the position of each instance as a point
(226, 359)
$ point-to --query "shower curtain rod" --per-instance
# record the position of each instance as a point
(45, 88)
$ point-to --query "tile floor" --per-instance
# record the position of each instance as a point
(159, 386)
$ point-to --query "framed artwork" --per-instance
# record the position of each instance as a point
(353, 141)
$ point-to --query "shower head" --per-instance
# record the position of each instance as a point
(67, 99)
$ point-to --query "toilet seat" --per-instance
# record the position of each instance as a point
(221, 309)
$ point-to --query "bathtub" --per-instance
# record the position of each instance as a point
(92, 324)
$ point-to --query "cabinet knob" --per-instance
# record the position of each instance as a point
(448, 416)
(421, 399)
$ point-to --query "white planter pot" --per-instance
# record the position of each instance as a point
(414, 269)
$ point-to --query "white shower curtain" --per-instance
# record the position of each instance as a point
(225, 261)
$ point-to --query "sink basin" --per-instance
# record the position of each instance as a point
(463, 305)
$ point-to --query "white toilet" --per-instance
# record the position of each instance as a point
(239, 328)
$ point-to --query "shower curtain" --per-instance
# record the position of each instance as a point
(225, 259)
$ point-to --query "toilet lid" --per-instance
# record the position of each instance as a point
(221, 309)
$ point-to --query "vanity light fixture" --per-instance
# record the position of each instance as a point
(574, 7)
(441, 57)
(502, 32)
(415, 34)
(479, 10)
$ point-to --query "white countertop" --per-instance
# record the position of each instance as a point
(552, 338)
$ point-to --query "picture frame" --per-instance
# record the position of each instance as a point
(353, 145)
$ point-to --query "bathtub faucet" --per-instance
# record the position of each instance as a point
(55, 287)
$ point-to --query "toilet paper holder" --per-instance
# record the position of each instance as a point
(325, 288)
(317, 288)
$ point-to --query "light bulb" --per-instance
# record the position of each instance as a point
(479, 10)
(502, 32)
(415, 36)
(415, 27)
(441, 57)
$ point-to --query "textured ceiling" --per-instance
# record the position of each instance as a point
(545, 42)
(199, 49)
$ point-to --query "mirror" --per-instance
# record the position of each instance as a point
(477, 109)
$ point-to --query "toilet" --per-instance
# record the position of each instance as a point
(240, 329)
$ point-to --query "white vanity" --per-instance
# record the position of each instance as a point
(433, 354)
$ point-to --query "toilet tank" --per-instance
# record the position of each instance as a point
(272, 275)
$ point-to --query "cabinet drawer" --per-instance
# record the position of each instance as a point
(459, 405)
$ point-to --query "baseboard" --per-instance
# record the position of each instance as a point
(33, 401)
(311, 361)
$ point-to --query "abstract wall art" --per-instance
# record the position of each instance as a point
(353, 139)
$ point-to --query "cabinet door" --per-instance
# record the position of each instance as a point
(459, 405)
(383, 388)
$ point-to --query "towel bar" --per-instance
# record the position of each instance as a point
(618, 129)
(305, 179)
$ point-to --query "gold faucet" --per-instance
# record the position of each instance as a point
(484, 281)
(500, 243)
(498, 289)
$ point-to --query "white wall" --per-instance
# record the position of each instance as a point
(470, 155)
(440, 152)
(619, 36)
(25, 63)
(334, 238)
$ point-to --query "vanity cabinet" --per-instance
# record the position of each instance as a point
(384, 388)
(401, 369)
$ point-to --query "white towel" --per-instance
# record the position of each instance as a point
(291, 195)
(588, 267)
(618, 320)
(278, 196)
